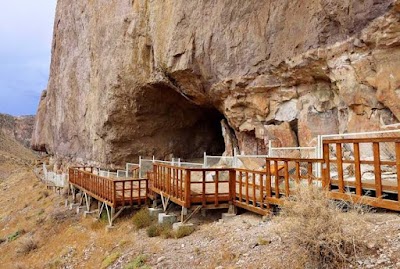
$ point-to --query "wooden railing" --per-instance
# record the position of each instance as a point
(114, 192)
(258, 190)
(187, 186)
(358, 157)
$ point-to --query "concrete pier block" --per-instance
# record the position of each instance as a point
(79, 209)
(178, 225)
(228, 216)
(154, 212)
(165, 218)
(86, 213)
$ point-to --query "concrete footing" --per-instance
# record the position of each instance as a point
(165, 218)
(86, 213)
(178, 225)
(154, 212)
(109, 228)
(227, 216)
(72, 206)
(79, 209)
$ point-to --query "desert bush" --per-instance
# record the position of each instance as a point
(153, 230)
(183, 231)
(142, 219)
(163, 230)
(15, 235)
(110, 259)
(138, 262)
(317, 233)
(27, 246)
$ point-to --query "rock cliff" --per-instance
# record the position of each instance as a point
(18, 128)
(145, 77)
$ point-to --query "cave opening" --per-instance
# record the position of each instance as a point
(172, 126)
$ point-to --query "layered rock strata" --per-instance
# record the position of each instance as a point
(139, 77)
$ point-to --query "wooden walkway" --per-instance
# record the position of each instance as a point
(114, 192)
(343, 173)
(257, 191)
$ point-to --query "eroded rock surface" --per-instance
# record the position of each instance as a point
(19, 128)
(141, 77)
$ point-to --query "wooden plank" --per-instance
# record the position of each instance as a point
(254, 209)
(377, 169)
(366, 200)
(357, 168)
(366, 186)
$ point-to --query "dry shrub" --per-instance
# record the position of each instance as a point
(27, 246)
(142, 219)
(163, 230)
(316, 233)
(184, 231)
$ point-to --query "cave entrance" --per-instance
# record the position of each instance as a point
(172, 126)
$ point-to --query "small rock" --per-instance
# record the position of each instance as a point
(160, 259)
(371, 245)
(219, 267)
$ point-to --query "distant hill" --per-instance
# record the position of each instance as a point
(20, 128)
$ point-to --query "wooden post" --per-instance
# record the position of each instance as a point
(339, 163)
(327, 175)
(357, 168)
(187, 189)
(277, 194)
(377, 170)
(232, 185)
(287, 186)
(216, 188)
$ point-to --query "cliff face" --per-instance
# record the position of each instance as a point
(141, 77)
(18, 128)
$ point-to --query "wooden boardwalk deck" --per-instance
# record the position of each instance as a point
(114, 192)
(342, 176)
(257, 191)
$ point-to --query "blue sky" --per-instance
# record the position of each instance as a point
(26, 29)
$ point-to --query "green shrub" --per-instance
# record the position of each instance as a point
(110, 259)
(142, 219)
(138, 262)
(153, 230)
(15, 235)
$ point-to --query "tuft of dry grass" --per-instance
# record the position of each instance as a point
(163, 230)
(142, 219)
(27, 246)
(317, 233)
(184, 231)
